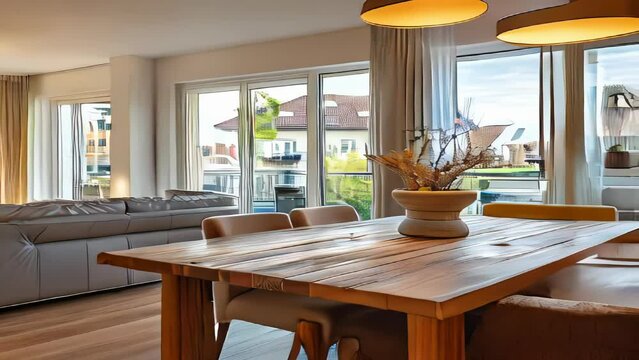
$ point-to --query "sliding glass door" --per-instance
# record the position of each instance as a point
(345, 113)
(264, 140)
(280, 140)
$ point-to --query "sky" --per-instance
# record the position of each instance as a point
(502, 91)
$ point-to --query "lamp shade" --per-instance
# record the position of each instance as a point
(421, 13)
(576, 22)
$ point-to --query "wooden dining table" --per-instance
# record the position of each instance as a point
(433, 281)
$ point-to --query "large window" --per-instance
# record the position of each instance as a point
(263, 140)
(280, 146)
(612, 102)
(84, 166)
(500, 94)
(346, 111)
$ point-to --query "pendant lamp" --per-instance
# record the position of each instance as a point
(576, 22)
(421, 13)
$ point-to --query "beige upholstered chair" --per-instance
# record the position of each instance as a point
(317, 323)
(323, 215)
(588, 309)
(531, 328)
(612, 279)
(551, 212)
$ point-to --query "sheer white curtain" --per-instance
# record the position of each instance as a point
(440, 77)
(193, 174)
(595, 146)
(554, 120)
(412, 87)
(78, 151)
(573, 161)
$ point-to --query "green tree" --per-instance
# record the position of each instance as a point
(354, 162)
(267, 109)
(354, 190)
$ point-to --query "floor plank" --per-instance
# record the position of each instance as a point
(122, 324)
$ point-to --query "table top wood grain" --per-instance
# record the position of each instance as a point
(370, 263)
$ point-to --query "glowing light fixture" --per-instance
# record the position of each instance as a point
(576, 22)
(421, 13)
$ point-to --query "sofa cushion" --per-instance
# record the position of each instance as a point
(59, 208)
(143, 240)
(186, 234)
(179, 202)
(51, 229)
(149, 221)
(186, 218)
(146, 204)
(63, 268)
(106, 276)
(192, 201)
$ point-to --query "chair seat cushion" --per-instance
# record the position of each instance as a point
(614, 282)
(382, 334)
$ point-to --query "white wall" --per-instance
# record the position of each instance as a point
(45, 89)
(71, 82)
(340, 47)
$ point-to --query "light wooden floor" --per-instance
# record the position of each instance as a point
(123, 324)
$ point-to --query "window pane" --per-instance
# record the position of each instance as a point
(346, 110)
(96, 124)
(218, 132)
(501, 96)
(280, 147)
(612, 99)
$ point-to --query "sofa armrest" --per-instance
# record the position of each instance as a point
(19, 272)
(525, 327)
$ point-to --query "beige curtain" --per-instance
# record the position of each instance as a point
(397, 100)
(13, 138)
(413, 86)
(554, 119)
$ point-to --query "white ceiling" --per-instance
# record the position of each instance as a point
(39, 36)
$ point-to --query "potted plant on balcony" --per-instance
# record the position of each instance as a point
(617, 158)
(430, 196)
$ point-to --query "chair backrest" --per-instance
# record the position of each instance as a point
(323, 215)
(551, 212)
(219, 226)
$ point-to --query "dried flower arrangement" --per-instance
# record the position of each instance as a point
(420, 170)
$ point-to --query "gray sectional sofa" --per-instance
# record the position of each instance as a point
(49, 249)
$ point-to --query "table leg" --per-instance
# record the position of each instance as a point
(432, 339)
(187, 319)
